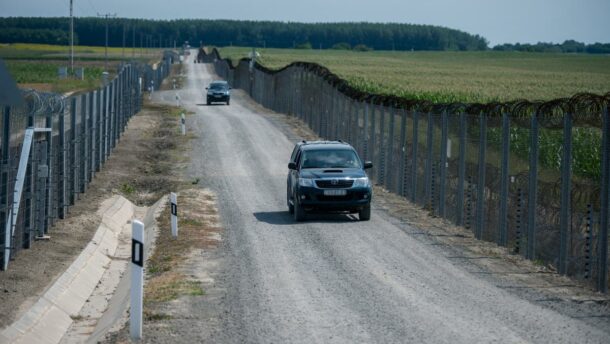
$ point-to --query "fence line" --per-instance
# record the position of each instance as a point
(530, 176)
(81, 132)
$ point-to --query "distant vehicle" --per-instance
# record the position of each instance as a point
(218, 91)
(328, 176)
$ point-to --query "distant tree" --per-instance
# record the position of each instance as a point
(305, 45)
(362, 47)
(342, 46)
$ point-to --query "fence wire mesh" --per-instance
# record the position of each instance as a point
(72, 139)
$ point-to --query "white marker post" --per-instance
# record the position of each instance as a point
(137, 279)
(183, 123)
(173, 202)
(177, 100)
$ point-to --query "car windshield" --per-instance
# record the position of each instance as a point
(326, 158)
(217, 87)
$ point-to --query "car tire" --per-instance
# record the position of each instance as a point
(299, 212)
(365, 213)
(228, 102)
(209, 103)
(290, 206)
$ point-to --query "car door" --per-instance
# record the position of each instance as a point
(294, 174)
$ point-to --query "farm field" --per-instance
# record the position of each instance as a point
(35, 65)
(453, 76)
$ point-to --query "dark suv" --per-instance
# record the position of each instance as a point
(327, 176)
(218, 91)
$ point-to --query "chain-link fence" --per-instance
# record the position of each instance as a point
(533, 177)
(52, 146)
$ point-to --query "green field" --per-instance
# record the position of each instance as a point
(453, 76)
(36, 65)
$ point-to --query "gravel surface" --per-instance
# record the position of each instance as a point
(334, 279)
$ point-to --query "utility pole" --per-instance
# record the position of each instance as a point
(133, 41)
(107, 15)
(124, 39)
(71, 38)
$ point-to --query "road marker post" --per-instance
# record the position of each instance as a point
(173, 201)
(177, 100)
(137, 279)
(183, 123)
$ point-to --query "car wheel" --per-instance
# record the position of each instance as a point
(299, 212)
(209, 103)
(228, 101)
(290, 206)
(365, 213)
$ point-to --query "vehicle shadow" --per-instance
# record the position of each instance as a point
(285, 218)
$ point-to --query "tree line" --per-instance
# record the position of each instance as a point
(569, 46)
(271, 34)
(141, 32)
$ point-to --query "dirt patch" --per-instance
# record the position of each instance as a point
(138, 169)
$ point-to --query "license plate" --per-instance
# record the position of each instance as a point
(335, 192)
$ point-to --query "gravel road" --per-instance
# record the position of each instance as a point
(333, 279)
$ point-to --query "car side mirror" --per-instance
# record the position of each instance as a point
(368, 164)
(292, 166)
(206, 88)
(230, 87)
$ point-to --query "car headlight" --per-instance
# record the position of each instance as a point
(361, 182)
(306, 182)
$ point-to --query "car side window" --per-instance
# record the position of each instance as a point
(297, 159)
(293, 156)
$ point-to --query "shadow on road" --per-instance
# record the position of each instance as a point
(285, 218)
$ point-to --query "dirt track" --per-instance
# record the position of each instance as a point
(402, 277)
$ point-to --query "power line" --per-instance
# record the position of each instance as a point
(107, 15)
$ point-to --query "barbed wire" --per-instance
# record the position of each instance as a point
(38, 103)
(586, 109)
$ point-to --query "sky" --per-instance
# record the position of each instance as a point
(500, 21)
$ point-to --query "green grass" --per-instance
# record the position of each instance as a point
(36, 65)
(453, 76)
(46, 51)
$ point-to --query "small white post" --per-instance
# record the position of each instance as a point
(177, 100)
(137, 279)
(173, 202)
(183, 123)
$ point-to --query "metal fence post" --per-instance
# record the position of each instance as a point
(503, 230)
(49, 162)
(429, 150)
(481, 182)
(105, 145)
(72, 166)
(602, 243)
(84, 147)
(381, 145)
(390, 153)
(402, 181)
(4, 175)
(414, 157)
(443, 167)
(566, 190)
(98, 131)
(365, 132)
(61, 173)
(461, 171)
(533, 189)
(91, 138)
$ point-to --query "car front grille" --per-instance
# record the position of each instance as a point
(334, 183)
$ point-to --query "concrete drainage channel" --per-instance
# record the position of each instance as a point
(92, 296)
